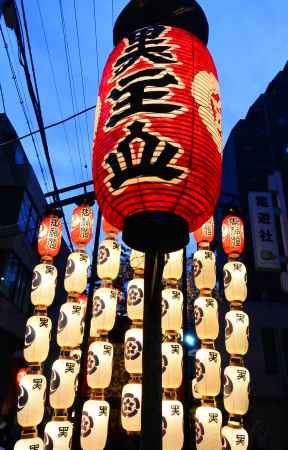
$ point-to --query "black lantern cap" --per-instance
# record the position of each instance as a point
(185, 14)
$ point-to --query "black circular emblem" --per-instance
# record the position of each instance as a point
(164, 426)
(55, 381)
(70, 268)
(164, 307)
(62, 321)
(36, 280)
(86, 424)
(199, 431)
(228, 328)
(98, 306)
(197, 267)
(227, 278)
(228, 386)
(164, 363)
(22, 398)
(133, 348)
(199, 370)
(130, 405)
(103, 254)
(198, 314)
(48, 442)
(30, 336)
(134, 295)
(92, 362)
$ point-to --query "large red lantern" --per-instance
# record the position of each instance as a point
(50, 236)
(157, 144)
(206, 232)
(233, 235)
(82, 225)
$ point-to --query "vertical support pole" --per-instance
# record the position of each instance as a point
(151, 423)
(84, 347)
(187, 437)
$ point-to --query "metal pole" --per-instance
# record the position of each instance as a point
(93, 278)
(151, 429)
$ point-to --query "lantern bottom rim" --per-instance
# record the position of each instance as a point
(155, 230)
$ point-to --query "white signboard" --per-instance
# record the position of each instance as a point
(264, 234)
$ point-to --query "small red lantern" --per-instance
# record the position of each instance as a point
(158, 139)
(206, 232)
(233, 235)
(50, 236)
(108, 229)
(82, 225)
(20, 374)
(82, 299)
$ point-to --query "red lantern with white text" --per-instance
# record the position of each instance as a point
(50, 236)
(233, 235)
(82, 225)
(206, 232)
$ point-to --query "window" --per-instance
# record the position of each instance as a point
(271, 358)
(28, 218)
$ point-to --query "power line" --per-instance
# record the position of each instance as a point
(56, 88)
(52, 125)
(96, 41)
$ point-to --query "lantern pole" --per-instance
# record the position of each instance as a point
(151, 429)
(93, 279)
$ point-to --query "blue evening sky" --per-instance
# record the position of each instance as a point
(248, 40)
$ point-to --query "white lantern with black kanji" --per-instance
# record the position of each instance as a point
(208, 372)
(58, 435)
(37, 339)
(43, 287)
(172, 310)
(206, 318)
(131, 407)
(70, 325)
(104, 310)
(204, 269)
(76, 272)
(173, 266)
(63, 383)
(29, 444)
(172, 425)
(108, 262)
(133, 350)
(99, 364)
(31, 400)
(137, 261)
(236, 390)
(234, 438)
(172, 359)
(195, 392)
(208, 422)
(94, 424)
(237, 332)
(235, 281)
(135, 299)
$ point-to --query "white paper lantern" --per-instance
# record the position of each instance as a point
(137, 260)
(29, 444)
(204, 269)
(76, 272)
(31, 400)
(235, 281)
(208, 372)
(208, 422)
(172, 359)
(172, 425)
(206, 318)
(37, 339)
(236, 390)
(44, 280)
(70, 325)
(237, 332)
(135, 299)
(133, 350)
(94, 424)
(58, 435)
(131, 407)
(99, 364)
(108, 263)
(172, 310)
(173, 266)
(63, 383)
(195, 392)
(104, 310)
(234, 438)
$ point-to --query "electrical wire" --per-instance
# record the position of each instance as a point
(96, 42)
(68, 146)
